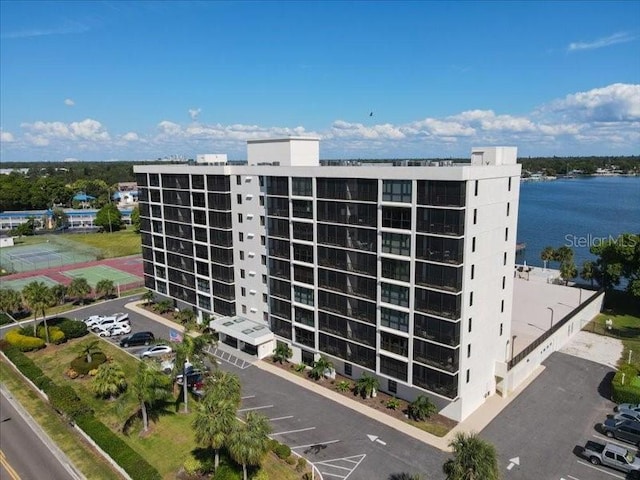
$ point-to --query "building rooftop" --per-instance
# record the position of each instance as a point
(243, 329)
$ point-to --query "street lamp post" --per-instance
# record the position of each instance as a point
(551, 324)
(513, 345)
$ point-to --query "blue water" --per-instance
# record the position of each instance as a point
(576, 211)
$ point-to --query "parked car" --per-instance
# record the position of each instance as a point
(156, 351)
(120, 329)
(93, 320)
(627, 430)
(194, 376)
(628, 407)
(626, 415)
(612, 456)
(108, 322)
(101, 331)
(138, 338)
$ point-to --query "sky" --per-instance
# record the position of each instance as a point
(116, 80)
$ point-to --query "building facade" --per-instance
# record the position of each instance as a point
(405, 272)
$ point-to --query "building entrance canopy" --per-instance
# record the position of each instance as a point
(243, 329)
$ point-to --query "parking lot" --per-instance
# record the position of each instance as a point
(537, 436)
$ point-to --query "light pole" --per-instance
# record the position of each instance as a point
(551, 325)
(513, 345)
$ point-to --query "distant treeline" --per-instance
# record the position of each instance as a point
(54, 183)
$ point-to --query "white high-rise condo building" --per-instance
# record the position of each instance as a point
(403, 270)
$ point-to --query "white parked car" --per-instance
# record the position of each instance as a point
(93, 320)
(101, 332)
(120, 329)
(156, 351)
(108, 322)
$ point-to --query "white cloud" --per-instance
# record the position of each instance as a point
(43, 133)
(194, 112)
(130, 137)
(66, 29)
(6, 137)
(620, 37)
(618, 102)
(69, 102)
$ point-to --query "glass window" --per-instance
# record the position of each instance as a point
(396, 191)
(396, 294)
(301, 186)
(303, 295)
(394, 368)
(394, 319)
(395, 269)
(396, 243)
(394, 343)
(396, 217)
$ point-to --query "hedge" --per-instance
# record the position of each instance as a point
(81, 366)
(23, 342)
(23, 363)
(135, 465)
(56, 336)
(71, 328)
(627, 393)
(65, 400)
(282, 451)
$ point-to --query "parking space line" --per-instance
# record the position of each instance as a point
(314, 444)
(612, 440)
(572, 477)
(335, 466)
(332, 475)
(255, 408)
(247, 397)
(295, 431)
(600, 469)
(280, 418)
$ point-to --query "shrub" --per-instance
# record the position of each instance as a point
(192, 465)
(64, 400)
(627, 393)
(81, 366)
(299, 367)
(302, 465)
(23, 342)
(260, 475)
(225, 472)
(56, 336)
(73, 328)
(282, 451)
(291, 460)
(343, 386)
(307, 476)
(393, 403)
(273, 444)
(134, 464)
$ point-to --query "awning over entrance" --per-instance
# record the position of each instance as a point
(245, 330)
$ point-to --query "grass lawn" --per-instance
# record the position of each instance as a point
(90, 463)
(170, 439)
(112, 245)
(625, 314)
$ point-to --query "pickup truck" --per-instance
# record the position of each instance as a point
(613, 456)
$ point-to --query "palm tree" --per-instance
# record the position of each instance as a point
(249, 442)
(547, 255)
(105, 288)
(367, 385)
(38, 297)
(148, 297)
(189, 351)
(221, 386)
(421, 408)
(568, 271)
(319, 368)
(59, 292)
(282, 353)
(588, 272)
(185, 316)
(89, 349)
(162, 306)
(10, 300)
(109, 381)
(79, 288)
(213, 424)
(474, 459)
(149, 386)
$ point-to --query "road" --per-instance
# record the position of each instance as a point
(24, 454)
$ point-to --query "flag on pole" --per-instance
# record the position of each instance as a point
(175, 336)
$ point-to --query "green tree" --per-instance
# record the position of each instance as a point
(213, 423)
(149, 386)
(547, 255)
(10, 300)
(563, 254)
(135, 219)
(619, 258)
(249, 442)
(223, 385)
(79, 289)
(88, 349)
(367, 385)
(59, 292)
(319, 368)
(148, 296)
(25, 229)
(588, 272)
(568, 271)
(105, 288)
(38, 297)
(109, 218)
(60, 218)
(473, 459)
(109, 381)
(421, 408)
(185, 316)
(282, 353)
(189, 351)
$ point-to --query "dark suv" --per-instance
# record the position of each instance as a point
(138, 338)
(627, 430)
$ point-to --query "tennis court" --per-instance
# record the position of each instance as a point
(20, 284)
(101, 272)
(41, 256)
